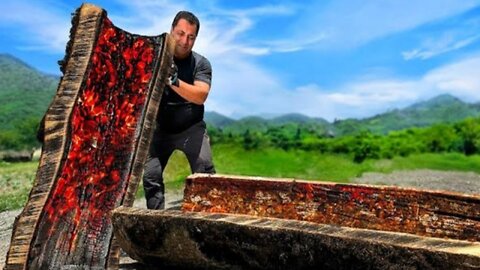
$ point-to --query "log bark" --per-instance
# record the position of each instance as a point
(237, 222)
(421, 212)
(97, 132)
(195, 240)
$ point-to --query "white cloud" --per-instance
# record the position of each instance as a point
(252, 91)
(351, 23)
(148, 18)
(449, 41)
(460, 78)
(41, 28)
(243, 87)
(381, 91)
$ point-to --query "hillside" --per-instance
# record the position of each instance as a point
(25, 93)
(441, 109)
(218, 120)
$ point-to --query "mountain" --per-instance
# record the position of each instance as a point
(25, 93)
(252, 123)
(297, 118)
(217, 120)
(291, 121)
(441, 109)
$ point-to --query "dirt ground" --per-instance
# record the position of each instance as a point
(463, 182)
(173, 200)
(425, 179)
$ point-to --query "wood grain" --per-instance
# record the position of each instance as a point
(239, 222)
(199, 240)
(387, 208)
(47, 235)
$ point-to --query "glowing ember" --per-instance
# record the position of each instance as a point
(93, 176)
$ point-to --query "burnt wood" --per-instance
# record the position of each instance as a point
(388, 208)
(171, 239)
(238, 222)
(97, 132)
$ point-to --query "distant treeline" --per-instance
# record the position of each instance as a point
(22, 135)
(463, 137)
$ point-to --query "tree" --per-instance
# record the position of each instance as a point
(469, 131)
(250, 141)
(366, 146)
(440, 138)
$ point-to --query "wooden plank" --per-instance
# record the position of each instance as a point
(420, 212)
(199, 240)
(97, 132)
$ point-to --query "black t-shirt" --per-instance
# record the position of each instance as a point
(177, 114)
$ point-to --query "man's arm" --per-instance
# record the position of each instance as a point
(196, 93)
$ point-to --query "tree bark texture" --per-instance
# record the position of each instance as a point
(386, 208)
(97, 132)
(171, 239)
(238, 222)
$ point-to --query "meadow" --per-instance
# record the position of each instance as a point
(16, 178)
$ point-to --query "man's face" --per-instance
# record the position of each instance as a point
(184, 34)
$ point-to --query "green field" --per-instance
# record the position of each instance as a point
(16, 178)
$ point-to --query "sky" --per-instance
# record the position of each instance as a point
(333, 59)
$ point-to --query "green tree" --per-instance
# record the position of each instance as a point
(469, 131)
(250, 141)
(439, 138)
(366, 146)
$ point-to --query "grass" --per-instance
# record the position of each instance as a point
(338, 168)
(16, 178)
(291, 164)
(442, 162)
(174, 175)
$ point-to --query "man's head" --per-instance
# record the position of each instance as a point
(184, 30)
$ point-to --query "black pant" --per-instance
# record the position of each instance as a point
(194, 142)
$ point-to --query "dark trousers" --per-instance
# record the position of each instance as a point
(194, 142)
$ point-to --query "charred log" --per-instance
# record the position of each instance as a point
(196, 240)
(387, 208)
(96, 136)
(233, 222)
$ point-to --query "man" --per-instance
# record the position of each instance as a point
(180, 122)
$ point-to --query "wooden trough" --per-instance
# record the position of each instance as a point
(231, 222)
(97, 133)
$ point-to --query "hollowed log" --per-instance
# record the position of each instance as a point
(231, 222)
(97, 132)
(421, 212)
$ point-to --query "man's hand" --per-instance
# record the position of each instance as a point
(173, 76)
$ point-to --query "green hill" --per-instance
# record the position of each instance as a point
(441, 109)
(25, 93)
(217, 120)
(252, 123)
(297, 118)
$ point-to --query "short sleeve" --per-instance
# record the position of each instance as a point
(203, 70)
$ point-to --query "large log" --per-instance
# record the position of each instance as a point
(173, 239)
(232, 222)
(422, 212)
(97, 132)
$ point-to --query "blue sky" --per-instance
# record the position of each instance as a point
(332, 59)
